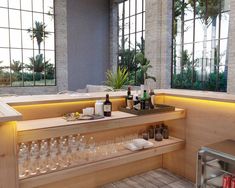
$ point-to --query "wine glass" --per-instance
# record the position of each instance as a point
(91, 148)
(63, 158)
(33, 158)
(82, 148)
(73, 147)
(43, 157)
(22, 160)
(53, 159)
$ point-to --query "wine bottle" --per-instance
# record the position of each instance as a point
(107, 107)
(129, 99)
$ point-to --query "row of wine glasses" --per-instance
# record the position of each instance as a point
(38, 157)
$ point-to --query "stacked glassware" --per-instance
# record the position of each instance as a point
(42, 156)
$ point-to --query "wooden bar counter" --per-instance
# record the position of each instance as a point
(27, 118)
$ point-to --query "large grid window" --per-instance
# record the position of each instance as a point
(200, 43)
(131, 19)
(27, 49)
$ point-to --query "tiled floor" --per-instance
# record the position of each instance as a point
(159, 178)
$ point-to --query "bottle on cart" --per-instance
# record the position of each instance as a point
(129, 99)
(165, 132)
(151, 132)
(107, 107)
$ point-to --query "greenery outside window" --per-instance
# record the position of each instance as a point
(27, 45)
(131, 23)
(200, 43)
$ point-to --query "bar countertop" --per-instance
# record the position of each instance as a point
(7, 113)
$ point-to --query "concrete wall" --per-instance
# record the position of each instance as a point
(88, 42)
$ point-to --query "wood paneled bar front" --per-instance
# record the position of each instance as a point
(210, 118)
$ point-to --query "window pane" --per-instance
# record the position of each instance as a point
(139, 22)
(28, 67)
(14, 18)
(223, 52)
(126, 26)
(37, 5)
(37, 17)
(14, 4)
(132, 7)
(26, 5)
(139, 6)
(188, 10)
(27, 41)
(126, 8)
(4, 14)
(15, 38)
(26, 20)
(4, 58)
(3, 3)
(48, 6)
(224, 25)
(120, 10)
(49, 42)
(50, 67)
(132, 24)
(5, 79)
(49, 22)
(16, 67)
(132, 40)
(188, 31)
(4, 33)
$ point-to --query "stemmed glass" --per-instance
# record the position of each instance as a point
(91, 148)
(63, 159)
(82, 148)
(53, 159)
(73, 144)
(22, 160)
(43, 157)
(33, 158)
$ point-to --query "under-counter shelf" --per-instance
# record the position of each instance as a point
(55, 127)
(122, 157)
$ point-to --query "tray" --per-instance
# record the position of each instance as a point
(158, 108)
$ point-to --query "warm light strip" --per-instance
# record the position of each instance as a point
(201, 101)
(63, 103)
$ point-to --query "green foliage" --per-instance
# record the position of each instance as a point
(118, 79)
(39, 32)
(16, 66)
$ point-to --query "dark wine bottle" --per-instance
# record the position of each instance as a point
(107, 107)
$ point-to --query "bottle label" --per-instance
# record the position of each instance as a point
(107, 108)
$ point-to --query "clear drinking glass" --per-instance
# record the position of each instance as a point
(82, 148)
(91, 148)
(73, 144)
(33, 158)
(22, 160)
(63, 157)
(43, 156)
(53, 159)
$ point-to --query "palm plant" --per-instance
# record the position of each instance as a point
(143, 67)
(16, 66)
(37, 64)
(39, 32)
(118, 79)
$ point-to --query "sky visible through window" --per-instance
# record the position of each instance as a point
(200, 43)
(27, 43)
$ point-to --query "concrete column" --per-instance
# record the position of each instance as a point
(231, 50)
(61, 44)
(153, 39)
(113, 35)
(166, 44)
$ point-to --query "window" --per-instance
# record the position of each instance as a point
(27, 50)
(200, 43)
(131, 19)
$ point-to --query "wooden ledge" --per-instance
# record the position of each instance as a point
(124, 157)
(8, 113)
(55, 127)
